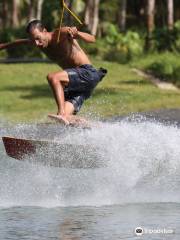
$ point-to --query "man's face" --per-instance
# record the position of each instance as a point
(40, 38)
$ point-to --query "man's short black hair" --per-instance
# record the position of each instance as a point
(34, 24)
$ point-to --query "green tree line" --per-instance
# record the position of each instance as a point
(124, 28)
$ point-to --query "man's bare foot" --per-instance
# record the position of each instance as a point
(78, 121)
(59, 118)
(71, 120)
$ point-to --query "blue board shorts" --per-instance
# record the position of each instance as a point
(82, 81)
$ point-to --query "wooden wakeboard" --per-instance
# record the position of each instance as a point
(52, 153)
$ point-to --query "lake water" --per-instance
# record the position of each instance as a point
(138, 188)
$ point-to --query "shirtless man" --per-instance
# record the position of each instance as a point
(76, 81)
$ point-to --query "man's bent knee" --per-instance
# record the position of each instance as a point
(52, 79)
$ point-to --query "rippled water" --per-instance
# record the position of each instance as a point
(138, 187)
(105, 222)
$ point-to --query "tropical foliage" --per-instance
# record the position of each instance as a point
(124, 28)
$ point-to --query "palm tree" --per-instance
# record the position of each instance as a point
(39, 9)
(15, 7)
(91, 18)
(31, 13)
(150, 22)
(122, 15)
(170, 6)
(4, 14)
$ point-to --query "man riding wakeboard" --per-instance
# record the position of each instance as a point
(77, 79)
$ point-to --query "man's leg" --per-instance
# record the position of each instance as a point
(69, 109)
(57, 81)
(69, 117)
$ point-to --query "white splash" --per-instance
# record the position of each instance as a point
(142, 158)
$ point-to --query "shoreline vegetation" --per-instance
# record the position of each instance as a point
(26, 97)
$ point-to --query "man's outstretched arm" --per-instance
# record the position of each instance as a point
(75, 34)
(85, 36)
(15, 43)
